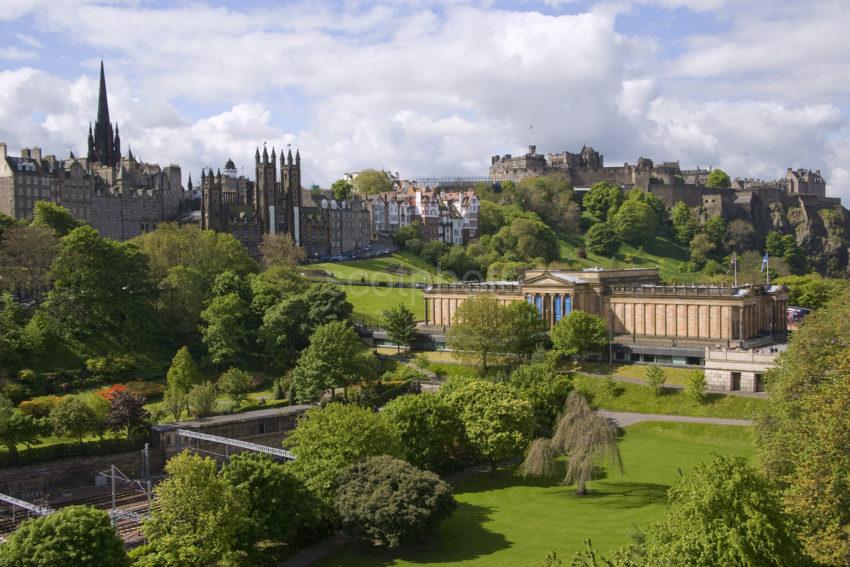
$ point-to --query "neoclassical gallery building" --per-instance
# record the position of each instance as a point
(649, 321)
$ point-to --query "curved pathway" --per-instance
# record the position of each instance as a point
(624, 418)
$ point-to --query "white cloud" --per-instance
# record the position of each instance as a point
(16, 54)
(427, 90)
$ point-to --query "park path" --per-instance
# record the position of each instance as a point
(624, 418)
(738, 393)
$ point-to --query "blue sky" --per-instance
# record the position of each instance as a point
(435, 88)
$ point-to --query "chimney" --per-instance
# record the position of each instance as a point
(532, 150)
(25, 153)
(3, 150)
(36, 153)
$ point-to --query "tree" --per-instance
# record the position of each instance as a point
(342, 190)
(371, 181)
(326, 303)
(202, 399)
(81, 536)
(695, 386)
(197, 514)
(801, 434)
(701, 248)
(285, 330)
(741, 236)
(603, 199)
(546, 390)
(183, 373)
(18, 428)
(100, 289)
(390, 500)
(236, 384)
(497, 423)
(280, 250)
(478, 329)
(181, 300)
(715, 229)
(579, 334)
(524, 329)
(655, 379)
(279, 506)
(273, 285)
(11, 331)
(333, 360)
(72, 417)
(685, 224)
(55, 217)
(601, 239)
(553, 198)
(175, 401)
(400, 324)
(718, 178)
(227, 332)
(774, 244)
(584, 439)
(428, 428)
(635, 222)
(723, 513)
(329, 439)
(26, 252)
(127, 412)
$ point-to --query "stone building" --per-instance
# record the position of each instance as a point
(648, 321)
(314, 220)
(805, 182)
(119, 196)
(449, 216)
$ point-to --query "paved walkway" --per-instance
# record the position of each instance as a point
(738, 393)
(624, 418)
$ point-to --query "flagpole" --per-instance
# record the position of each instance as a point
(767, 269)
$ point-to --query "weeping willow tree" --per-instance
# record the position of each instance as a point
(584, 439)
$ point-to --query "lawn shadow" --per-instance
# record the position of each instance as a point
(463, 537)
(623, 495)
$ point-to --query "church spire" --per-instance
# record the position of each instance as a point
(104, 140)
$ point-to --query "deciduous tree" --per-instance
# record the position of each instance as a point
(55, 217)
(127, 413)
(371, 181)
(718, 178)
(236, 383)
(81, 536)
(280, 250)
(603, 199)
(429, 430)
(73, 417)
(602, 239)
(390, 500)
(329, 439)
(400, 324)
(202, 399)
(579, 334)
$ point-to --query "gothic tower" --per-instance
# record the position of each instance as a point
(211, 209)
(104, 146)
(266, 188)
(290, 179)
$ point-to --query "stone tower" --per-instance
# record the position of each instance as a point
(104, 145)
(265, 190)
(211, 207)
(290, 180)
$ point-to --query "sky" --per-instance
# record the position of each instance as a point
(436, 88)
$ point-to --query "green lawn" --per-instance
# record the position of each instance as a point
(636, 371)
(504, 520)
(638, 398)
(400, 267)
(370, 302)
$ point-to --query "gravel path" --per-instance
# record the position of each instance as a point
(624, 418)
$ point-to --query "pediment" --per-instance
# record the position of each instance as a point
(547, 280)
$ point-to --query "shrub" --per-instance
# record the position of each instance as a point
(202, 399)
(390, 500)
(428, 428)
(145, 389)
(695, 386)
(655, 379)
(110, 366)
(236, 384)
(40, 406)
(16, 392)
(110, 392)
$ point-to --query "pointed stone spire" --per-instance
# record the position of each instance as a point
(104, 140)
(189, 185)
(117, 145)
(203, 176)
(289, 157)
(265, 155)
(257, 156)
(274, 157)
(297, 157)
(130, 154)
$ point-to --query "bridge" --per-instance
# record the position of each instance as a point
(228, 442)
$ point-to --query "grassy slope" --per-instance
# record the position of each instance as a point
(504, 520)
(636, 371)
(370, 302)
(415, 269)
(637, 398)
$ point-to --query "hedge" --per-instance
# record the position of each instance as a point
(43, 453)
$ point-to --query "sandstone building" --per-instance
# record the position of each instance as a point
(449, 216)
(648, 321)
(314, 220)
(119, 196)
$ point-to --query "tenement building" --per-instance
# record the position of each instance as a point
(279, 205)
(648, 321)
(121, 197)
(449, 216)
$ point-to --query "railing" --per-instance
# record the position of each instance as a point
(235, 443)
(34, 508)
(678, 290)
(475, 286)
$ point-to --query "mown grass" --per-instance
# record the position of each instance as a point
(641, 399)
(371, 302)
(637, 371)
(400, 267)
(504, 520)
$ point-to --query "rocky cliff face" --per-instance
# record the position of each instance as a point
(820, 226)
